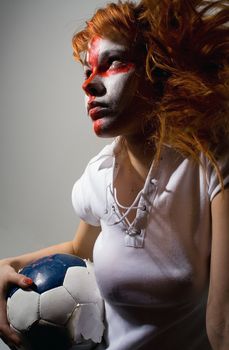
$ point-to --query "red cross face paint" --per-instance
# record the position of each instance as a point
(110, 86)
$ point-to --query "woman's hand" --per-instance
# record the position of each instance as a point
(81, 245)
(8, 277)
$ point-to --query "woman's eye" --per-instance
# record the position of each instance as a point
(87, 73)
(116, 64)
(112, 63)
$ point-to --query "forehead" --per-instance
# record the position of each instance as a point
(100, 48)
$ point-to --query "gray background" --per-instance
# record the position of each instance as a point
(46, 139)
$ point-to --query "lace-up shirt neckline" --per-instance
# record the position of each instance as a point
(132, 216)
(127, 187)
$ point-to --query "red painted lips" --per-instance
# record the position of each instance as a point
(96, 110)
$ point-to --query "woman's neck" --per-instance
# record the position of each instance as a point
(140, 154)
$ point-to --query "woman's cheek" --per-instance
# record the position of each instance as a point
(119, 88)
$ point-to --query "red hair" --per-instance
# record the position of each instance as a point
(184, 45)
(115, 21)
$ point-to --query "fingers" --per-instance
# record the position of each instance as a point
(10, 338)
(8, 335)
(9, 344)
(21, 280)
(9, 276)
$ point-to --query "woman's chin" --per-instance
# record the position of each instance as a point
(103, 129)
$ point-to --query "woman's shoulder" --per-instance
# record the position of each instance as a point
(217, 174)
(103, 158)
(89, 191)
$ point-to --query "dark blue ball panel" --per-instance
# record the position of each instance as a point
(49, 272)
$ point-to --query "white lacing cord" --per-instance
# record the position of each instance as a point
(132, 206)
(128, 209)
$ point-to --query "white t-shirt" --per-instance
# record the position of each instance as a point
(153, 273)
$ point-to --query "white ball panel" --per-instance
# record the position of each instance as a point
(81, 284)
(56, 305)
(23, 309)
(90, 324)
(72, 324)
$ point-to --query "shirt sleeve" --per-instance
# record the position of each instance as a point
(214, 185)
(82, 195)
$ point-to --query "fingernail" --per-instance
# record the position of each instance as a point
(28, 281)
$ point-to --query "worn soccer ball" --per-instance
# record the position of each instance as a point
(63, 308)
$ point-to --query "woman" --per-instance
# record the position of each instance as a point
(154, 204)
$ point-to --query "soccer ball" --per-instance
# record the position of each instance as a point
(63, 308)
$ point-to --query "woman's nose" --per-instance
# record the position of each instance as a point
(94, 86)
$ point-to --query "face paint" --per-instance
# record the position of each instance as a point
(93, 54)
(110, 85)
(97, 126)
(93, 60)
(92, 57)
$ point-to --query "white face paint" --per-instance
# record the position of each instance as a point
(110, 87)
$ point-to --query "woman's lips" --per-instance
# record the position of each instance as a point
(97, 112)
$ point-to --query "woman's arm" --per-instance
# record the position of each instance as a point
(218, 300)
(81, 245)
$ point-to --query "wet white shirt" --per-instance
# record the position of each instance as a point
(153, 273)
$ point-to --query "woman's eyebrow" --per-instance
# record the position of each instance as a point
(103, 56)
(109, 53)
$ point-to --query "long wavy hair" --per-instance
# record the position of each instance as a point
(183, 46)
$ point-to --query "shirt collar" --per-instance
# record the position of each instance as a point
(107, 155)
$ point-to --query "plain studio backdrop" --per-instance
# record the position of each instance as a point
(46, 138)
